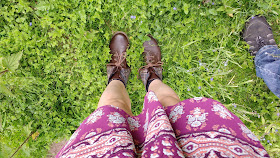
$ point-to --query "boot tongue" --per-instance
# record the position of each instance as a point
(152, 74)
(116, 74)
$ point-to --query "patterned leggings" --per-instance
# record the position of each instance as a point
(197, 127)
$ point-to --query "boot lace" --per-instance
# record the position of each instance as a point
(120, 59)
(150, 65)
(260, 42)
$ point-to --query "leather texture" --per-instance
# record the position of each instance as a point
(152, 56)
(118, 68)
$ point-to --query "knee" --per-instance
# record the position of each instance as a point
(169, 100)
(122, 105)
(170, 97)
(118, 102)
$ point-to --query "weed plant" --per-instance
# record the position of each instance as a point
(64, 45)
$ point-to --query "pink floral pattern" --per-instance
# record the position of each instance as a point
(196, 119)
(198, 99)
(94, 116)
(221, 111)
(247, 133)
(133, 123)
(152, 97)
(193, 145)
(197, 127)
(224, 129)
(116, 119)
(176, 113)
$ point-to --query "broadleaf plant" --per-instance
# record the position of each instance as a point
(9, 63)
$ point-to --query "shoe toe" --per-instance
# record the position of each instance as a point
(119, 42)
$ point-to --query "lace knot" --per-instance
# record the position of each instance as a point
(260, 42)
(149, 65)
(120, 59)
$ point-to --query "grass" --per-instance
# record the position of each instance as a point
(65, 49)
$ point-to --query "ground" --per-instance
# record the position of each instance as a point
(64, 44)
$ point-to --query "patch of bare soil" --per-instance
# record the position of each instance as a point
(55, 148)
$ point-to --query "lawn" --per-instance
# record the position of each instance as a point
(64, 47)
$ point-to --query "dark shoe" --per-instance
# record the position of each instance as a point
(152, 56)
(258, 33)
(118, 69)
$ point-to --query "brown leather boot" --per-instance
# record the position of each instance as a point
(118, 69)
(153, 69)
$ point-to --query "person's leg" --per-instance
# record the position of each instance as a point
(267, 64)
(117, 72)
(151, 74)
(258, 34)
(165, 94)
(115, 94)
(98, 127)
